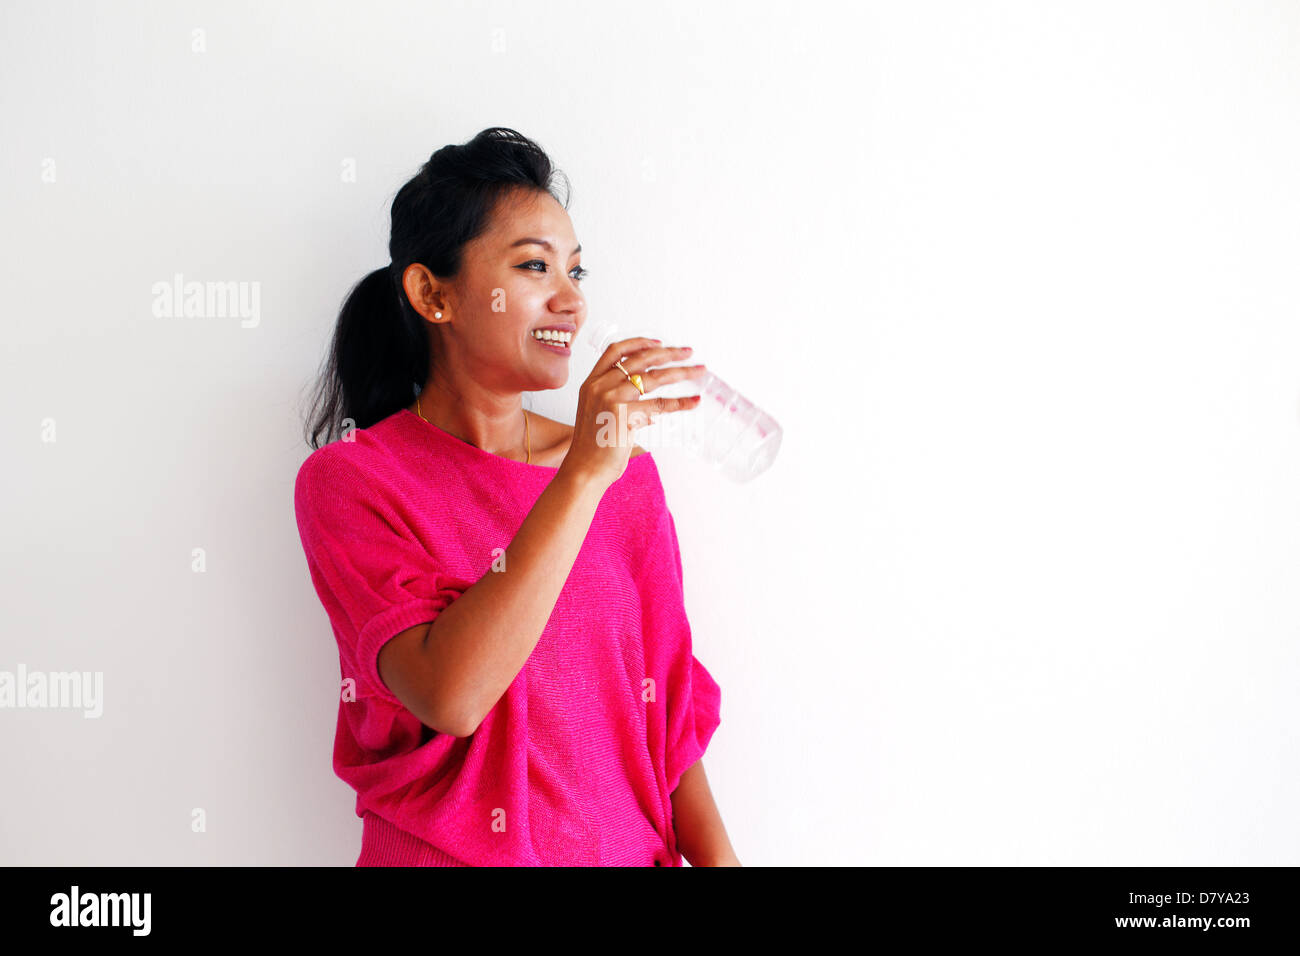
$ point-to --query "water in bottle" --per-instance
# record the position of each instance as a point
(726, 429)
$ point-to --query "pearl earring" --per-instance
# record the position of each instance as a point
(437, 315)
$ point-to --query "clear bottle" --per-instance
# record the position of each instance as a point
(725, 429)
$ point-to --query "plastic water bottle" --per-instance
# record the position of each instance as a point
(725, 429)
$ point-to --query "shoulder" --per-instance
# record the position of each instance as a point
(341, 470)
(336, 457)
(360, 451)
(557, 437)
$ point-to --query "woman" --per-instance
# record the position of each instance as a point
(519, 686)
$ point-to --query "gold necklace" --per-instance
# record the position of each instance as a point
(528, 440)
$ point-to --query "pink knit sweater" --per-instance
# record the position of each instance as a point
(576, 763)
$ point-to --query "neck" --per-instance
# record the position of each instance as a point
(503, 429)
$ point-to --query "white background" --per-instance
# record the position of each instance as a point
(1019, 280)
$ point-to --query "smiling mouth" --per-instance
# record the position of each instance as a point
(556, 341)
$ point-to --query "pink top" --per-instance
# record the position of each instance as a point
(576, 763)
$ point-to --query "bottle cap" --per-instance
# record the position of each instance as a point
(600, 334)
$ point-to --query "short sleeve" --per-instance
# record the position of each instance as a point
(374, 578)
(694, 697)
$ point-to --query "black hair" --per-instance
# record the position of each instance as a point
(379, 358)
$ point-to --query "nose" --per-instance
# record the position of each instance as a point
(574, 305)
(572, 298)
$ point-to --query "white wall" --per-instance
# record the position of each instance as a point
(1018, 279)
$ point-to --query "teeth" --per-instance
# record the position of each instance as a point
(557, 338)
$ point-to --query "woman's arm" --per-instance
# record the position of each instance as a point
(458, 667)
(701, 837)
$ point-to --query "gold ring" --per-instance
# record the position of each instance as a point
(634, 379)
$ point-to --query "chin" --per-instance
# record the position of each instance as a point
(553, 381)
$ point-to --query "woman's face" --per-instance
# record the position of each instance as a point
(522, 274)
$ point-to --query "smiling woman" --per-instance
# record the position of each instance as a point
(475, 268)
(519, 682)
(488, 321)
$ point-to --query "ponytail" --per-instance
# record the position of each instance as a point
(378, 361)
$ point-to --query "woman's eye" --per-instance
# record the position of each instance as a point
(582, 273)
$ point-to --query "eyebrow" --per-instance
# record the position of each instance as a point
(544, 244)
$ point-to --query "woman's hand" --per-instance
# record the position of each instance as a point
(609, 410)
